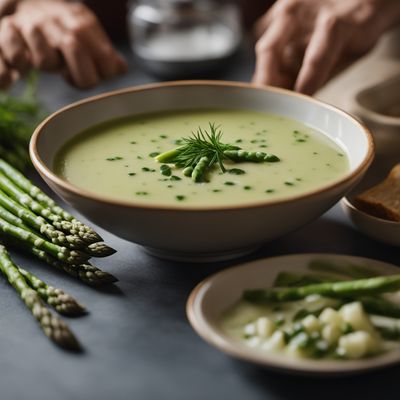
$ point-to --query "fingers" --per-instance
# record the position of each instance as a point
(85, 47)
(107, 61)
(322, 55)
(14, 47)
(80, 64)
(42, 54)
(270, 63)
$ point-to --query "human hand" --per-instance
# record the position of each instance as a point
(55, 35)
(302, 42)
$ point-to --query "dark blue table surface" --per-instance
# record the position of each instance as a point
(138, 343)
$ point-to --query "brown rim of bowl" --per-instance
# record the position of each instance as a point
(44, 170)
(347, 203)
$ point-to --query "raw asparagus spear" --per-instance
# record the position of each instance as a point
(51, 325)
(350, 270)
(86, 272)
(73, 227)
(56, 298)
(373, 305)
(288, 279)
(98, 249)
(36, 193)
(59, 252)
(39, 223)
(360, 287)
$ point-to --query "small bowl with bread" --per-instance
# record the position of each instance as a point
(374, 206)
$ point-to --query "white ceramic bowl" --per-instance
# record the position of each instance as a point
(217, 293)
(214, 232)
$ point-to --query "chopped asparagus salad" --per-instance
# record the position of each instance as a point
(201, 157)
(329, 313)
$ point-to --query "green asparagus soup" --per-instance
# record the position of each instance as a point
(201, 157)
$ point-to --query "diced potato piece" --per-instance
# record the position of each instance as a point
(311, 323)
(331, 333)
(276, 342)
(331, 317)
(297, 344)
(250, 329)
(253, 341)
(353, 313)
(312, 298)
(264, 327)
(356, 344)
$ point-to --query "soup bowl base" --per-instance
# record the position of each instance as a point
(200, 257)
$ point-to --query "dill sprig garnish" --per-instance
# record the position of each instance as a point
(203, 144)
(204, 149)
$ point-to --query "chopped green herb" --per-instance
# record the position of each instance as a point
(139, 157)
(217, 190)
(141, 193)
(146, 169)
(153, 141)
(116, 158)
(239, 141)
(154, 154)
(170, 186)
(301, 140)
(236, 171)
(133, 142)
(132, 173)
(270, 191)
(163, 136)
(165, 170)
(175, 178)
(247, 188)
(180, 197)
(287, 183)
(229, 183)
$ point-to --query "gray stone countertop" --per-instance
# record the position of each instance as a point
(138, 343)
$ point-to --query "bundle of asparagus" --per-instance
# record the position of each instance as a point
(18, 116)
(32, 221)
(35, 293)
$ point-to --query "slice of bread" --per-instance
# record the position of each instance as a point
(382, 200)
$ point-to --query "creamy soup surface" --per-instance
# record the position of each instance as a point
(116, 159)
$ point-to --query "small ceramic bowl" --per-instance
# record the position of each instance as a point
(378, 107)
(163, 230)
(218, 293)
(377, 228)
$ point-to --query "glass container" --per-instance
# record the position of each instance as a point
(182, 38)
